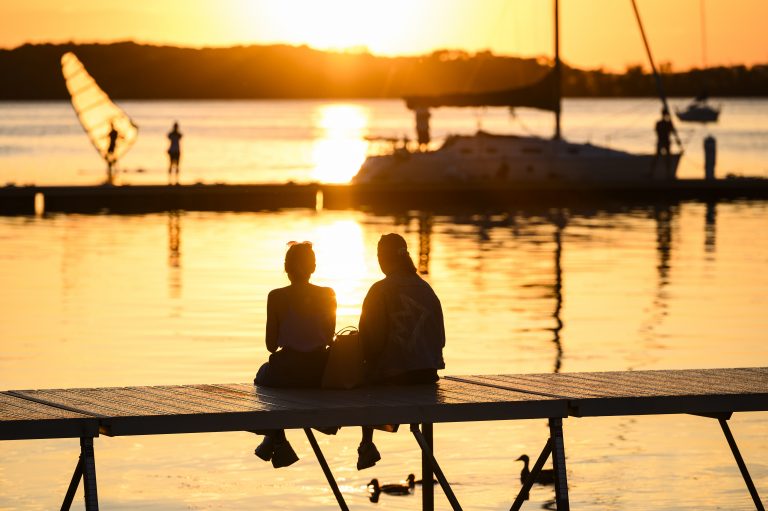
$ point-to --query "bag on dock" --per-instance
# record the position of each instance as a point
(344, 369)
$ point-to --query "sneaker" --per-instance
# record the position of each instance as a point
(283, 455)
(367, 455)
(265, 449)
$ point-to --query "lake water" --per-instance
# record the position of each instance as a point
(278, 141)
(174, 298)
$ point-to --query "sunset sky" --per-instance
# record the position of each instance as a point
(595, 32)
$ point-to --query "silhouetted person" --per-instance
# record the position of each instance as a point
(401, 331)
(113, 136)
(174, 153)
(301, 319)
(710, 156)
(664, 130)
(422, 127)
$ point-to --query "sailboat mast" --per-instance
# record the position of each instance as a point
(558, 71)
(659, 84)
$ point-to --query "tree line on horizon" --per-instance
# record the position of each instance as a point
(130, 70)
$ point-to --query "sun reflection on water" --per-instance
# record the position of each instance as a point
(339, 148)
(343, 264)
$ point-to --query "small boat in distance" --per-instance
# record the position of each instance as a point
(699, 111)
(491, 158)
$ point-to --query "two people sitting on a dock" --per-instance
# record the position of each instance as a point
(401, 332)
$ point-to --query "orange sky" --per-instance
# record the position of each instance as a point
(595, 32)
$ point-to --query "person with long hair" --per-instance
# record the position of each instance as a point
(301, 319)
(401, 331)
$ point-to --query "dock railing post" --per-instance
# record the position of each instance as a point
(742, 466)
(427, 487)
(558, 462)
(88, 461)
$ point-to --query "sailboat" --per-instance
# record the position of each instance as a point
(491, 158)
(108, 127)
(699, 110)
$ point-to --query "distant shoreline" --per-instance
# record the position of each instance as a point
(134, 71)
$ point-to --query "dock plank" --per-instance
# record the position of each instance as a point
(243, 406)
(24, 419)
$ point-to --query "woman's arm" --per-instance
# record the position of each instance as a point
(331, 326)
(273, 323)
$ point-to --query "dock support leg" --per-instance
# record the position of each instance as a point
(558, 463)
(427, 488)
(741, 464)
(426, 450)
(73, 484)
(89, 474)
(523, 495)
(326, 469)
(85, 470)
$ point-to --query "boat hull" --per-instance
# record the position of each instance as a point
(490, 158)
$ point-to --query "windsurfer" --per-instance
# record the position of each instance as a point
(113, 136)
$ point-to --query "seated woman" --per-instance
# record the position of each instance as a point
(301, 319)
(401, 331)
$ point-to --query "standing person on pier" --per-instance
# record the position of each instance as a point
(401, 331)
(174, 154)
(301, 319)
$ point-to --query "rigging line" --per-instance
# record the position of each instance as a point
(659, 84)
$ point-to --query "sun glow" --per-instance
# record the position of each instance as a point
(342, 264)
(339, 149)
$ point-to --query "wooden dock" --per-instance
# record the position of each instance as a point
(88, 412)
(27, 200)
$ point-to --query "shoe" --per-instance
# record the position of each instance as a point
(283, 455)
(265, 449)
(367, 455)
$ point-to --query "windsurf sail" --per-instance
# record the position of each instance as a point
(96, 112)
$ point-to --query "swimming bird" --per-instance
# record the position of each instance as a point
(546, 476)
(389, 489)
(412, 481)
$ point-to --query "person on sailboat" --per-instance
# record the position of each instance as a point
(422, 127)
(174, 154)
(664, 130)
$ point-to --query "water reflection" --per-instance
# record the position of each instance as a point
(559, 220)
(339, 148)
(174, 253)
(710, 225)
(425, 234)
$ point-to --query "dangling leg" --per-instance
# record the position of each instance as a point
(367, 454)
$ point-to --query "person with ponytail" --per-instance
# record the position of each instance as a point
(301, 319)
(401, 331)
